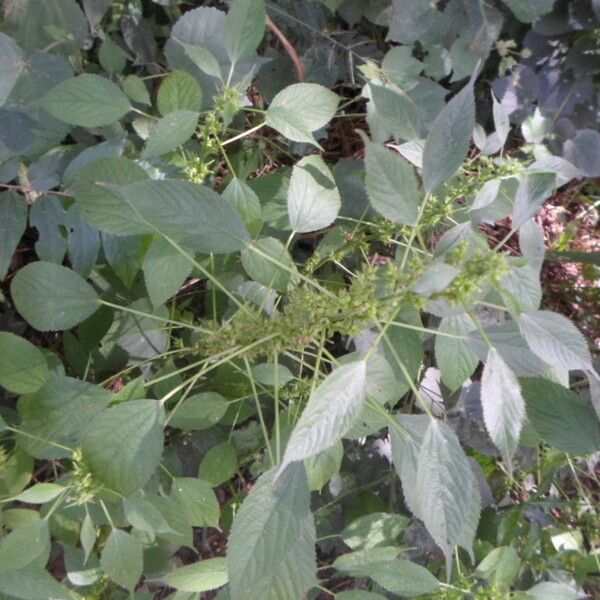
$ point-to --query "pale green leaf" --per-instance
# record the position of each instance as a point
(372, 530)
(444, 486)
(32, 583)
(555, 340)
(244, 28)
(329, 414)
(397, 111)
(313, 199)
(202, 576)
(404, 578)
(28, 544)
(122, 558)
(360, 562)
(199, 411)
(125, 444)
(268, 270)
(272, 542)
(500, 567)
(143, 515)
(243, 198)
(13, 220)
(51, 297)
(23, 368)
(533, 190)
(219, 464)
(300, 109)
(60, 412)
(454, 357)
(87, 536)
(391, 184)
(323, 466)
(40, 493)
(97, 205)
(136, 90)
(179, 91)
(192, 215)
(529, 10)
(86, 100)
(11, 65)
(197, 500)
(552, 591)
(171, 131)
(165, 271)
(503, 405)
(359, 595)
(448, 141)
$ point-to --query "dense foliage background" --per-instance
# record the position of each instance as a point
(299, 299)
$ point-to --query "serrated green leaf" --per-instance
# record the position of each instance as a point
(397, 111)
(125, 444)
(243, 198)
(272, 543)
(329, 414)
(555, 340)
(199, 411)
(179, 92)
(87, 536)
(97, 205)
(23, 368)
(555, 413)
(143, 515)
(359, 595)
(136, 90)
(360, 562)
(448, 141)
(503, 405)
(122, 558)
(313, 199)
(111, 57)
(391, 185)
(404, 578)
(86, 100)
(244, 28)
(454, 357)
(533, 190)
(51, 297)
(300, 109)
(552, 591)
(444, 486)
(500, 567)
(266, 271)
(197, 500)
(59, 412)
(202, 576)
(171, 131)
(202, 58)
(192, 215)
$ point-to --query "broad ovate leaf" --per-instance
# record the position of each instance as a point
(171, 131)
(23, 368)
(444, 486)
(244, 28)
(122, 558)
(562, 418)
(300, 109)
(125, 444)
(397, 111)
(86, 100)
(58, 415)
(191, 215)
(533, 190)
(179, 92)
(448, 141)
(391, 185)
(503, 405)
(313, 198)
(51, 297)
(555, 340)
(404, 578)
(329, 414)
(271, 552)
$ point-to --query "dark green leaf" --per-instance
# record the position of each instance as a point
(23, 368)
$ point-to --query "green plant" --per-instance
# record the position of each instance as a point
(218, 335)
